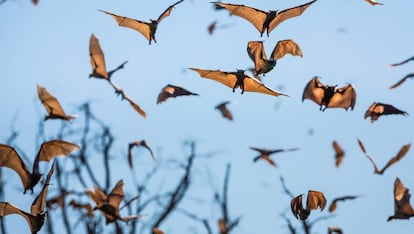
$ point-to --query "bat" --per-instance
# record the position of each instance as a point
(222, 107)
(48, 150)
(157, 231)
(408, 76)
(261, 20)
(314, 201)
(339, 153)
(333, 230)
(59, 200)
(265, 154)
(138, 144)
(147, 29)
(378, 109)
(52, 106)
(403, 151)
(332, 206)
(373, 2)
(262, 65)
(402, 206)
(170, 91)
(403, 62)
(237, 79)
(213, 26)
(85, 206)
(98, 61)
(109, 204)
(37, 216)
(327, 96)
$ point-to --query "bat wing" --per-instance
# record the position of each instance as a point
(53, 148)
(172, 91)
(227, 78)
(86, 206)
(403, 151)
(314, 91)
(142, 143)
(134, 105)
(343, 97)
(38, 205)
(167, 12)
(98, 196)
(140, 26)
(157, 231)
(11, 159)
(116, 195)
(390, 109)
(315, 200)
(333, 205)
(284, 47)
(339, 153)
(35, 223)
(411, 75)
(97, 59)
(254, 85)
(254, 16)
(297, 208)
(402, 206)
(225, 112)
(403, 62)
(287, 14)
(362, 147)
(51, 104)
(116, 69)
(257, 54)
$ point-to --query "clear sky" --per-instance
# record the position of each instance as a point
(343, 41)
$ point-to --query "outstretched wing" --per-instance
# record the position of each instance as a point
(287, 14)
(134, 105)
(362, 147)
(403, 151)
(225, 112)
(11, 159)
(408, 76)
(403, 62)
(97, 59)
(227, 78)
(51, 104)
(7, 209)
(142, 143)
(284, 47)
(254, 16)
(344, 97)
(333, 205)
(254, 85)
(256, 52)
(116, 195)
(314, 91)
(339, 153)
(167, 12)
(140, 26)
(315, 200)
(172, 91)
(38, 205)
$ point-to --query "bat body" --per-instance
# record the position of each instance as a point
(403, 151)
(262, 64)
(327, 96)
(237, 79)
(141, 143)
(261, 20)
(37, 215)
(52, 105)
(170, 91)
(408, 76)
(314, 201)
(339, 153)
(225, 112)
(48, 150)
(147, 29)
(333, 205)
(378, 109)
(373, 2)
(265, 154)
(402, 205)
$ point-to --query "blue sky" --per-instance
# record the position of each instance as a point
(342, 42)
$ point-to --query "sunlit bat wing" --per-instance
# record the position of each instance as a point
(333, 205)
(408, 76)
(377, 109)
(116, 195)
(403, 62)
(343, 98)
(170, 91)
(35, 223)
(225, 112)
(11, 159)
(402, 205)
(111, 72)
(256, 52)
(284, 47)
(373, 2)
(403, 151)
(254, 85)
(53, 148)
(362, 147)
(52, 105)
(297, 209)
(38, 205)
(98, 196)
(97, 59)
(315, 200)
(254, 16)
(287, 14)
(339, 153)
(167, 12)
(134, 105)
(314, 91)
(226, 78)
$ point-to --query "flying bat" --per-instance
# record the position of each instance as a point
(59, 200)
(339, 153)
(52, 106)
(37, 215)
(402, 206)
(225, 112)
(85, 206)
(109, 204)
(48, 150)
(157, 231)
(377, 109)
(408, 76)
(213, 26)
(170, 91)
(265, 154)
(237, 79)
(314, 201)
(332, 206)
(403, 62)
(147, 29)
(403, 151)
(334, 230)
(141, 143)
(262, 65)
(373, 2)
(329, 96)
(261, 20)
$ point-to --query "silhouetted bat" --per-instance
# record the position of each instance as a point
(373, 2)
(408, 76)
(261, 20)
(52, 106)
(402, 206)
(315, 199)
(37, 215)
(48, 150)
(222, 107)
(377, 109)
(237, 79)
(109, 204)
(403, 151)
(332, 207)
(85, 206)
(262, 65)
(138, 144)
(339, 153)
(147, 29)
(172, 91)
(265, 154)
(329, 96)
(403, 62)
(334, 230)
